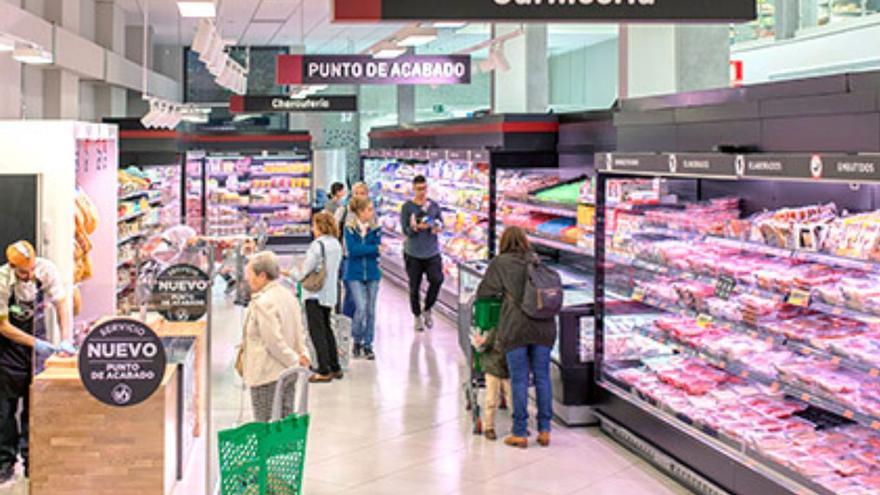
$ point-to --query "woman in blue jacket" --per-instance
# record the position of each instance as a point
(362, 240)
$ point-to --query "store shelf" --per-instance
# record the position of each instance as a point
(269, 175)
(754, 247)
(134, 195)
(130, 238)
(445, 206)
(562, 246)
(548, 208)
(133, 216)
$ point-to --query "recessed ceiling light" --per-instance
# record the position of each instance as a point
(449, 25)
(31, 54)
(418, 37)
(6, 45)
(388, 50)
(197, 9)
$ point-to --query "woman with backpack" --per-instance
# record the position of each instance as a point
(319, 276)
(362, 239)
(525, 340)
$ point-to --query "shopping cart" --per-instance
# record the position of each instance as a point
(268, 458)
(484, 317)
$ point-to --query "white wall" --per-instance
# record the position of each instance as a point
(585, 79)
(647, 46)
(834, 49)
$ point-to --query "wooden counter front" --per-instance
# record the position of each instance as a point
(79, 446)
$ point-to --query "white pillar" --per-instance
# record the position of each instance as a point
(525, 88)
(60, 94)
(110, 101)
(665, 59)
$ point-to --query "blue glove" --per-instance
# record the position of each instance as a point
(44, 348)
(67, 347)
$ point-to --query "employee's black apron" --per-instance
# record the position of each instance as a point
(16, 360)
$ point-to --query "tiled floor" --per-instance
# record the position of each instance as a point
(398, 426)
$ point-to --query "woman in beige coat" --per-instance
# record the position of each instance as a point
(274, 338)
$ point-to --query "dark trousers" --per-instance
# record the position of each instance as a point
(14, 431)
(322, 337)
(416, 269)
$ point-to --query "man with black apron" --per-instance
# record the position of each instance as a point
(27, 285)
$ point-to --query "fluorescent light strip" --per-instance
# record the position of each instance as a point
(197, 9)
(417, 39)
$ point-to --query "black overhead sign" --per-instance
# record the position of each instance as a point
(544, 10)
(819, 167)
(268, 104)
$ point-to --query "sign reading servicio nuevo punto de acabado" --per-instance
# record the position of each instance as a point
(545, 10)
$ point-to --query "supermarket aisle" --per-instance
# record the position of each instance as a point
(399, 426)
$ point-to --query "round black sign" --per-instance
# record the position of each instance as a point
(122, 362)
(181, 293)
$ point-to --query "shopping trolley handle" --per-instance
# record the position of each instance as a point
(301, 404)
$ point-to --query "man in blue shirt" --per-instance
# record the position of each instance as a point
(421, 221)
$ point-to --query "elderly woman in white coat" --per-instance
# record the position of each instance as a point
(274, 338)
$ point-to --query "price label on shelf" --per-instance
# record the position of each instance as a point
(874, 372)
(775, 387)
(875, 425)
(725, 287)
(744, 374)
(704, 320)
(848, 414)
(835, 360)
(799, 298)
(805, 397)
(638, 294)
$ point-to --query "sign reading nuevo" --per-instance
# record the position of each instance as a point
(544, 10)
(364, 69)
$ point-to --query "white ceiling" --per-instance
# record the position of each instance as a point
(264, 22)
(289, 22)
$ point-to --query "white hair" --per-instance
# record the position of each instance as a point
(266, 262)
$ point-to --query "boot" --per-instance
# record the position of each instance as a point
(518, 442)
(544, 439)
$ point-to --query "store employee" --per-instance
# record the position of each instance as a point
(27, 285)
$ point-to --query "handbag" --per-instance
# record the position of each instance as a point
(314, 281)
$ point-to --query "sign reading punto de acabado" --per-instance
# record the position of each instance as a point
(364, 69)
(544, 10)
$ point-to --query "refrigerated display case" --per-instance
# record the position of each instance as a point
(462, 160)
(747, 298)
(239, 182)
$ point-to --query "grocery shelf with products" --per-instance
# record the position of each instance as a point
(757, 279)
(463, 170)
(240, 181)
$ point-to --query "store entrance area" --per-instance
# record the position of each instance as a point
(398, 425)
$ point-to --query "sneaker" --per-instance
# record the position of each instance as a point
(368, 353)
(429, 319)
(356, 352)
(6, 474)
(419, 324)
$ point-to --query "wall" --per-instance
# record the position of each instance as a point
(457, 100)
(584, 79)
(378, 107)
(834, 49)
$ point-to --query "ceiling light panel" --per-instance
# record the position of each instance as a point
(197, 9)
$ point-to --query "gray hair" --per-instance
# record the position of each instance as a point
(266, 262)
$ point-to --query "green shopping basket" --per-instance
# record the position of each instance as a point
(268, 458)
(486, 313)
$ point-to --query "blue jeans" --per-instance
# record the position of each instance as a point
(363, 326)
(348, 306)
(522, 361)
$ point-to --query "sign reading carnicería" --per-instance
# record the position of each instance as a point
(364, 69)
(181, 293)
(122, 362)
(544, 10)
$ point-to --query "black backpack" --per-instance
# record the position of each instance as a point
(543, 295)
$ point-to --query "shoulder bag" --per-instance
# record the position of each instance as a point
(315, 280)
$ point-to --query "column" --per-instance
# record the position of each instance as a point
(665, 59)
(110, 101)
(61, 92)
(60, 95)
(406, 105)
(525, 88)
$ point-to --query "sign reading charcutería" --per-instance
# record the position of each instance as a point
(544, 10)
(364, 69)
(122, 362)
(266, 104)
